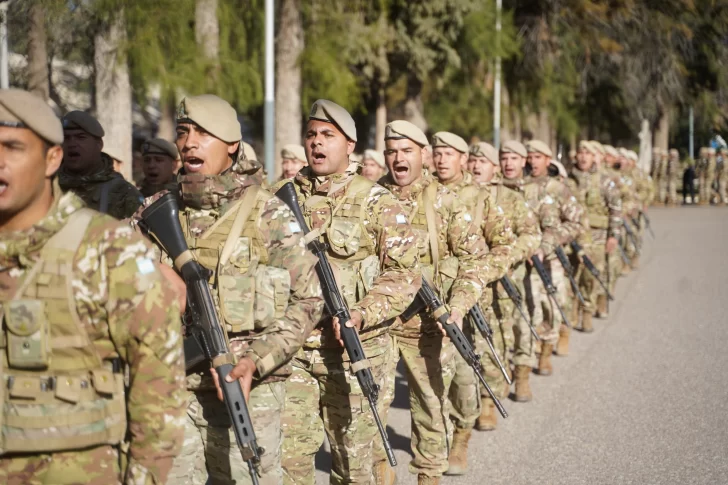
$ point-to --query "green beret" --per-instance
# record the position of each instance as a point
(80, 120)
(211, 113)
(330, 112)
(21, 109)
(159, 146)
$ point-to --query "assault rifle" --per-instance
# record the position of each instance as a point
(578, 250)
(336, 308)
(623, 255)
(429, 299)
(206, 338)
(478, 318)
(648, 224)
(569, 272)
(513, 294)
(632, 237)
(548, 284)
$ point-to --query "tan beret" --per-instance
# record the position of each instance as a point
(711, 151)
(562, 169)
(111, 151)
(213, 114)
(674, 153)
(378, 157)
(293, 152)
(159, 146)
(80, 120)
(21, 109)
(610, 150)
(483, 149)
(513, 146)
(447, 139)
(599, 147)
(249, 152)
(587, 145)
(623, 152)
(330, 112)
(632, 155)
(537, 146)
(398, 129)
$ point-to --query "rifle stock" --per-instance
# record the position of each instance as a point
(513, 294)
(548, 284)
(478, 318)
(569, 272)
(590, 266)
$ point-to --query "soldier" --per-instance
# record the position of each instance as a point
(673, 174)
(450, 159)
(117, 159)
(267, 297)
(427, 159)
(373, 166)
(455, 260)
(374, 253)
(597, 192)
(659, 174)
(70, 335)
(722, 175)
(293, 159)
(511, 330)
(90, 173)
(159, 162)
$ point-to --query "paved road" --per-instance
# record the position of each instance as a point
(642, 400)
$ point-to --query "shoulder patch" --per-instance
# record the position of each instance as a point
(401, 219)
(548, 200)
(145, 265)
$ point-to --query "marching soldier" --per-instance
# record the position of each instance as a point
(673, 175)
(373, 165)
(267, 293)
(159, 162)
(707, 175)
(84, 303)
(90, 173)
(293, 159)
(374, 253)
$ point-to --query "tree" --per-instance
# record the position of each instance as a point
(38, 75)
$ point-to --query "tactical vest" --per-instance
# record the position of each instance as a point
(56, 394)
(352, 254)
(250, 294)
(594, 203)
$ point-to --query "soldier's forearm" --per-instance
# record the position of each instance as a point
(390, 295)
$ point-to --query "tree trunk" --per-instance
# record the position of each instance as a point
(38, 81)
(662, 130)
(289, 46)
(167, 120)
(413, 107)
(207, 35)
(113, 91)
(381, 120)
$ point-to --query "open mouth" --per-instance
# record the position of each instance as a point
(3, 186)
(318, 157)
(193, 164)
(400, 170)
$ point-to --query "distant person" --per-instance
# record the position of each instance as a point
(118, 159)
(373, 165)
(90, 173)
(159, 162)
(293, 159)
(689, 183)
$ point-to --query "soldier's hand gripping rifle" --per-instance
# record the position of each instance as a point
(513, 294)
(578, 250)
(431, 301)
(550, 288)
(206, 339)
(623, 254)
(478, 318)
(648, 224)
(569, 272)
(336, 307)
(631, 235)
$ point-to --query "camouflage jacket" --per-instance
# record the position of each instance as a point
(129, 311)
(659, 168)
(558, 212)
(457, 239)
(205, 199)
(123, 198)
(495, 227)
(148, 190)
(673, 167)
(383, 236)
(597, 192)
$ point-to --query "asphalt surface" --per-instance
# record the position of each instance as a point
(642, 400)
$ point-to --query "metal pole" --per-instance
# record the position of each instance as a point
(691, 142)
(497, 86)
(269, 121)
(4, 77)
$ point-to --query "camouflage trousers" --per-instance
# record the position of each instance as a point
(429, 368)
(545, 316)
(323, 396)
(95, 466)
(516, 328)
(672, 189)
(588, 284)
(723, 186)
(466, 390)
(210, 449)
(661, 190)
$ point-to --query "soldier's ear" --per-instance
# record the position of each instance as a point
(350, 146)
(54, 156)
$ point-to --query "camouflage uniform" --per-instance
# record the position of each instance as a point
(105, 191)
(495, 228)
(599, 195)
(374, 254)
(429, 359)
(559, 216)
(673, 176)
(268, 298)
(659, 175)
(707, 177)
(94, 286)
(722, 174)
(148, 190)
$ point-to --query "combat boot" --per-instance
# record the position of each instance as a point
(562, 348)
(523, 388)
(575, 312)
(487, 420)
(635, 261)
(384, 474)
(425, 480)
(602, 311)
(586, 323)
(458, 459)
(544, 361)
(626, 269)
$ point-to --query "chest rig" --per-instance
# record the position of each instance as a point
(57, 391)
(249, 294)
